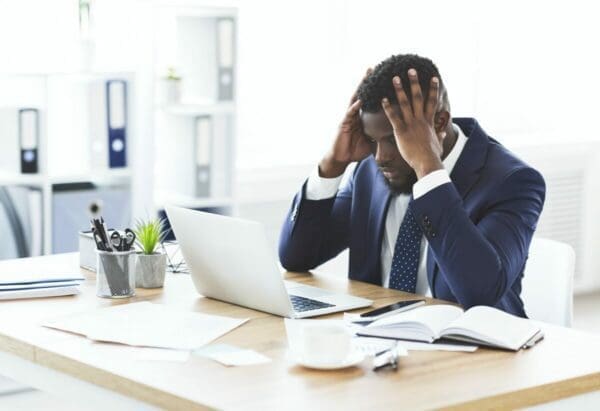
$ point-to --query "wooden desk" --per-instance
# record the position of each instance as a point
(566, 363)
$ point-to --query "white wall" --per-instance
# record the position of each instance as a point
(523, 68)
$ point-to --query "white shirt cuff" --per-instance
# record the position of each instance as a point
(429, 182)
(319, 188)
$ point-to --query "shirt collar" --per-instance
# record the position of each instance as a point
(452, 157)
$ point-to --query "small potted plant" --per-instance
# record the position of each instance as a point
(151, 264)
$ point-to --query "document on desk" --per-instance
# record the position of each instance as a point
(145, 324)
(19, 286)
(39, 292)
(230, 355)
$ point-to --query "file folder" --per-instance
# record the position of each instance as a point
(29, 139)
(225, 57)
(116, 111)
(203, 152)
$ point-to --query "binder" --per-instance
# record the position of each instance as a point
(29, 139)
(116, 118)
(203, 140)
(225, 57)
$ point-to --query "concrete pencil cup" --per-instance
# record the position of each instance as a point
(115, 275)
(150, 270)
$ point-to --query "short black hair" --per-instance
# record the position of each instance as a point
(378, 84)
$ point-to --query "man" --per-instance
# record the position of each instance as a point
(434, 206)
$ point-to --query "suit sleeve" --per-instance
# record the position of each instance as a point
(481, 260)
(315, 231)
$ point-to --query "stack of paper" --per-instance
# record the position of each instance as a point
(145, 324)
(16, 286)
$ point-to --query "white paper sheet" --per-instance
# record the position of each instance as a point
(20, 278)
(230, 355)
(49, 284)
(145, 324)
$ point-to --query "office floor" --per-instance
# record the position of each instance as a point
(586, 317)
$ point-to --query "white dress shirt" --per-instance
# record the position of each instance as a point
(319, 188)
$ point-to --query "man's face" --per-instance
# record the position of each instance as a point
(399, 176)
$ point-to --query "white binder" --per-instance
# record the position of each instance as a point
(225, 57)
(107, 122)
(29, 140)
(203, 141)
(19, 140)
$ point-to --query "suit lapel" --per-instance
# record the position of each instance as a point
(464, 175)
(471, 160)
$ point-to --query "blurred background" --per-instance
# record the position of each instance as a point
(117, 107)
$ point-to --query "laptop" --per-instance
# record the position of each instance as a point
(231, 260)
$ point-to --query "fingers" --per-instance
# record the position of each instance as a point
(355, 95)
(403, 102)
(415, 90)
(432, 99)
(353, 109)
(391, 114)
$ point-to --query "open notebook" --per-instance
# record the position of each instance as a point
(481, 325)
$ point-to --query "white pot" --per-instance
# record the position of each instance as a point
(150, 270)
(170, 91)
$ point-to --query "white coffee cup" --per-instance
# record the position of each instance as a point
(325, 343)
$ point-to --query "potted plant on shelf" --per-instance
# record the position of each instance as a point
(171, 87)
(151, 264)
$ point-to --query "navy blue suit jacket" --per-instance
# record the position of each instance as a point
(479, 226)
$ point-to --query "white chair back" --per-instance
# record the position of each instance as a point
(548, 282)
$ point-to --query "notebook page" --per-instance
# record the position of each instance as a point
(493, 326)
(434, 317)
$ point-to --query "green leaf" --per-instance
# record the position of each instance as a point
(149, 233)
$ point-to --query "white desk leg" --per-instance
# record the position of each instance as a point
(66, 387)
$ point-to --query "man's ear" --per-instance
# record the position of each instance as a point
(441, 121)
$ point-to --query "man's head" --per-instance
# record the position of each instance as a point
(377, 85)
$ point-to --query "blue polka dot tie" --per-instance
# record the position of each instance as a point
(405, 263)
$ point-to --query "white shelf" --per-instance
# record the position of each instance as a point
(163, 198)
(184, 109)
(76, 75)
(111, 175)
(7, 179)
(107, 176)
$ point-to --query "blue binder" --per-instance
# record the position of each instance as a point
(116, 117)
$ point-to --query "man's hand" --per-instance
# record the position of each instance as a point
(416, 137)
(350, 143)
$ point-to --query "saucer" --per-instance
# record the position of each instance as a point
(354, 358)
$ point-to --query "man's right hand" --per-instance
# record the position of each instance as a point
(350, 143)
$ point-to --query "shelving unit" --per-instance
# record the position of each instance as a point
(195, 170)
(64, 143)
(163, 149)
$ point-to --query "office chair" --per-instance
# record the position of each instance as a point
(14, 243)
(548, 282)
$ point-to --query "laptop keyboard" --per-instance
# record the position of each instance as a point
(301, 304)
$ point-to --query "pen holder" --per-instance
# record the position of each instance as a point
(115, 275)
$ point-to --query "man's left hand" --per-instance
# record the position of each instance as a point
(414, 129)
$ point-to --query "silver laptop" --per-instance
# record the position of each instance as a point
(230, 260)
